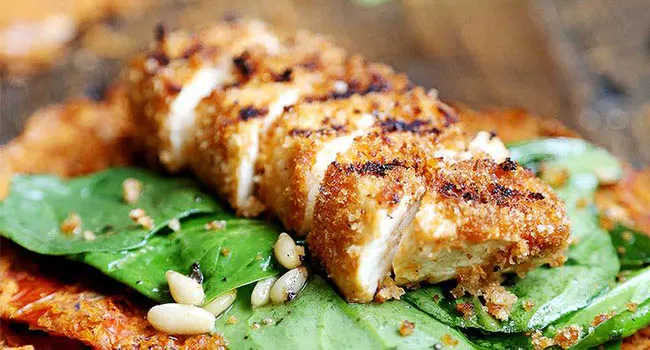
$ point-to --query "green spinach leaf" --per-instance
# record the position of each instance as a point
(633, 246)
(37, 205)
(618, 313)
(248, 258)
(320, 319)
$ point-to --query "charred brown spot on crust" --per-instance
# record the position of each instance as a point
(250, 112)
(449, 189)
(508, 165)
(536, 196)
(449, 115)
(378, 83)
(329, 130)
(502, 194)
(243, 64)
(311, 63)
(417, 126)
(192, 50)
(160, 33)
(160, 57)
(283, 77)
(370, 168)
(173, 88)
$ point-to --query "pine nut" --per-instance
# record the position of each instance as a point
(184, 290)
(287, 287)
(221, 303)
(286, 251)
(180, 319)
(262, 292)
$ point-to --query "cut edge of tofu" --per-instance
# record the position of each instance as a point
(245, 184)
(376, 256)
(181, 117)
(324, 157)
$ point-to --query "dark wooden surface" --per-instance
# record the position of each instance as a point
(585, 62)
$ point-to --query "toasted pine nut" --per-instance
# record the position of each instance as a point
(221, 303)
(262, 292)
(184, 290)
(180, 319)
(287, 287)
(286, 251)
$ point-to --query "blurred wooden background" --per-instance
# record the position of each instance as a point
(586, 62)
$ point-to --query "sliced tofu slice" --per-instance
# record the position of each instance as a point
(167, 84)
(482, 217)
(371, 193)
(301, 145)
(232, 121)
(360, 215)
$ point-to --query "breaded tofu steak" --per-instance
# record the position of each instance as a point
(378, 174)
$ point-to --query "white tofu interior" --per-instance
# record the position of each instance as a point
(376, 256)
(325, 156)
(246, 167)
(181, 111)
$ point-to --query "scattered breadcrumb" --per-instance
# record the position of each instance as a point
(232, 320)
(621, 250)
(225, 252)
(215, 225)
(628, 236)
(528, 305)
(255, 325)
(174, 225)
(448, 340)
(582, 202)
(465, 309)
(600, 318)
(89, 235)
(131, 190)
(258, 257)
(554, 175)
(72, 224)
(567, 336)
(388, 290)
(406, 328)
(268, 321)
(540, 342)
(632, 307)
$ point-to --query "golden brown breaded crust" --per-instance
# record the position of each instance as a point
(362, 189)
(230, 121)
(156, 78)
(494, 201)
(75, 138)
(511, 125)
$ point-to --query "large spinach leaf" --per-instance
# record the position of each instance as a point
(234, 256)
(37, 205)
(320, 319)
(633, 246)
(592, 259)
(618, 313)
